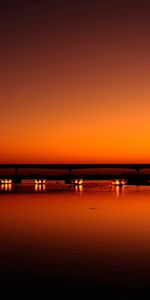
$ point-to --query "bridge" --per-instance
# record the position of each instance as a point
(17, 176)
(75, 166)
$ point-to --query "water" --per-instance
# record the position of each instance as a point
(82, 242)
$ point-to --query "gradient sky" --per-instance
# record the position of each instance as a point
(74, 81)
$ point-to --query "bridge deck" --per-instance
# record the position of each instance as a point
(75, 166)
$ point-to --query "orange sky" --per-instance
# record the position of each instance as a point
(74, 81)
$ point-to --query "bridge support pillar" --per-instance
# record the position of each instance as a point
(138, 172)
(69, 172)
(69, 177)
(17, 178)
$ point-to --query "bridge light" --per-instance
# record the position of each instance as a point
(119, 182)
(78, 182)
(6, 181)
(40, 181)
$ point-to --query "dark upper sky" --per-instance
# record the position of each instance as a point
(74, 81)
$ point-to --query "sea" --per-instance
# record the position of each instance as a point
(62, 241)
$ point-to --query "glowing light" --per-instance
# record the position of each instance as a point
(40, 187)
(78, 188)
(117, 191)
(78, 181)
(119, 182)
(74, 181)
(40, 181)
(6, 181)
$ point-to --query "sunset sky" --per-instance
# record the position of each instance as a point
(74, 81)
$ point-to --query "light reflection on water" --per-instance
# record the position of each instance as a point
(40, 187)
(89, 238)
(6, 187)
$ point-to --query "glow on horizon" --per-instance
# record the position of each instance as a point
(75, 92)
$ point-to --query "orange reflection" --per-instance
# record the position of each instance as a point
(6, 187)
(118, 189)
(78, 188)
(40, 187)
(97, 224)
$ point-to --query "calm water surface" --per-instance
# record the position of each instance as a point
(90, 242)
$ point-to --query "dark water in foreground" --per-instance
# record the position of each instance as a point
(88, 243)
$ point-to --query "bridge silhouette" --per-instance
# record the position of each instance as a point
(75, 166)
(18, 175)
